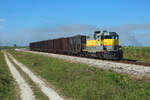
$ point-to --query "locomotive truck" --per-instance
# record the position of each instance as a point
(103, 45)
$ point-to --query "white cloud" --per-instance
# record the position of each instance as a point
(2, 20)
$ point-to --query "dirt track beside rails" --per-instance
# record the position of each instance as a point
(136, 70)
(50, 93)
(25, 91)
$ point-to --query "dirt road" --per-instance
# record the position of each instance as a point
(25, 90)
(50, 93)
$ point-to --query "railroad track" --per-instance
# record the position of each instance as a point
(136, 62)
(126, 61)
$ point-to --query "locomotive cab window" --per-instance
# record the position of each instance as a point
(111, 37)
(108, 37)
(115, 37)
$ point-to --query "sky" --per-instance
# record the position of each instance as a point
(25, 21)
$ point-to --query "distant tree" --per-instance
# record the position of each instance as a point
(15, 45)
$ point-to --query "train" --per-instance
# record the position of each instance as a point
(102, 45)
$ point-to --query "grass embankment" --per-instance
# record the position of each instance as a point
(137, 53)
(39, 95)
(7, 88)
(81, 82)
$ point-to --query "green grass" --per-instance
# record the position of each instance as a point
(137, 53)
(81, 82)
(7, 88)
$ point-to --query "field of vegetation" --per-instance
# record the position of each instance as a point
(7, 89)
(81, 82)
(137, 53)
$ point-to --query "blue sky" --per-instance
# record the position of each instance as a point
(23, 21)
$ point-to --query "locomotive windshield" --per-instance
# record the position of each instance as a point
(111, 37)
(115, 37)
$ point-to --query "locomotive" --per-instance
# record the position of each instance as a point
(103, 45)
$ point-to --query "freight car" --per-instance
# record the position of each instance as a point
(104, 45)
(70, 45)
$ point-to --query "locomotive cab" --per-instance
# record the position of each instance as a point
(112, 50)
(105, 45)
(110, 41)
